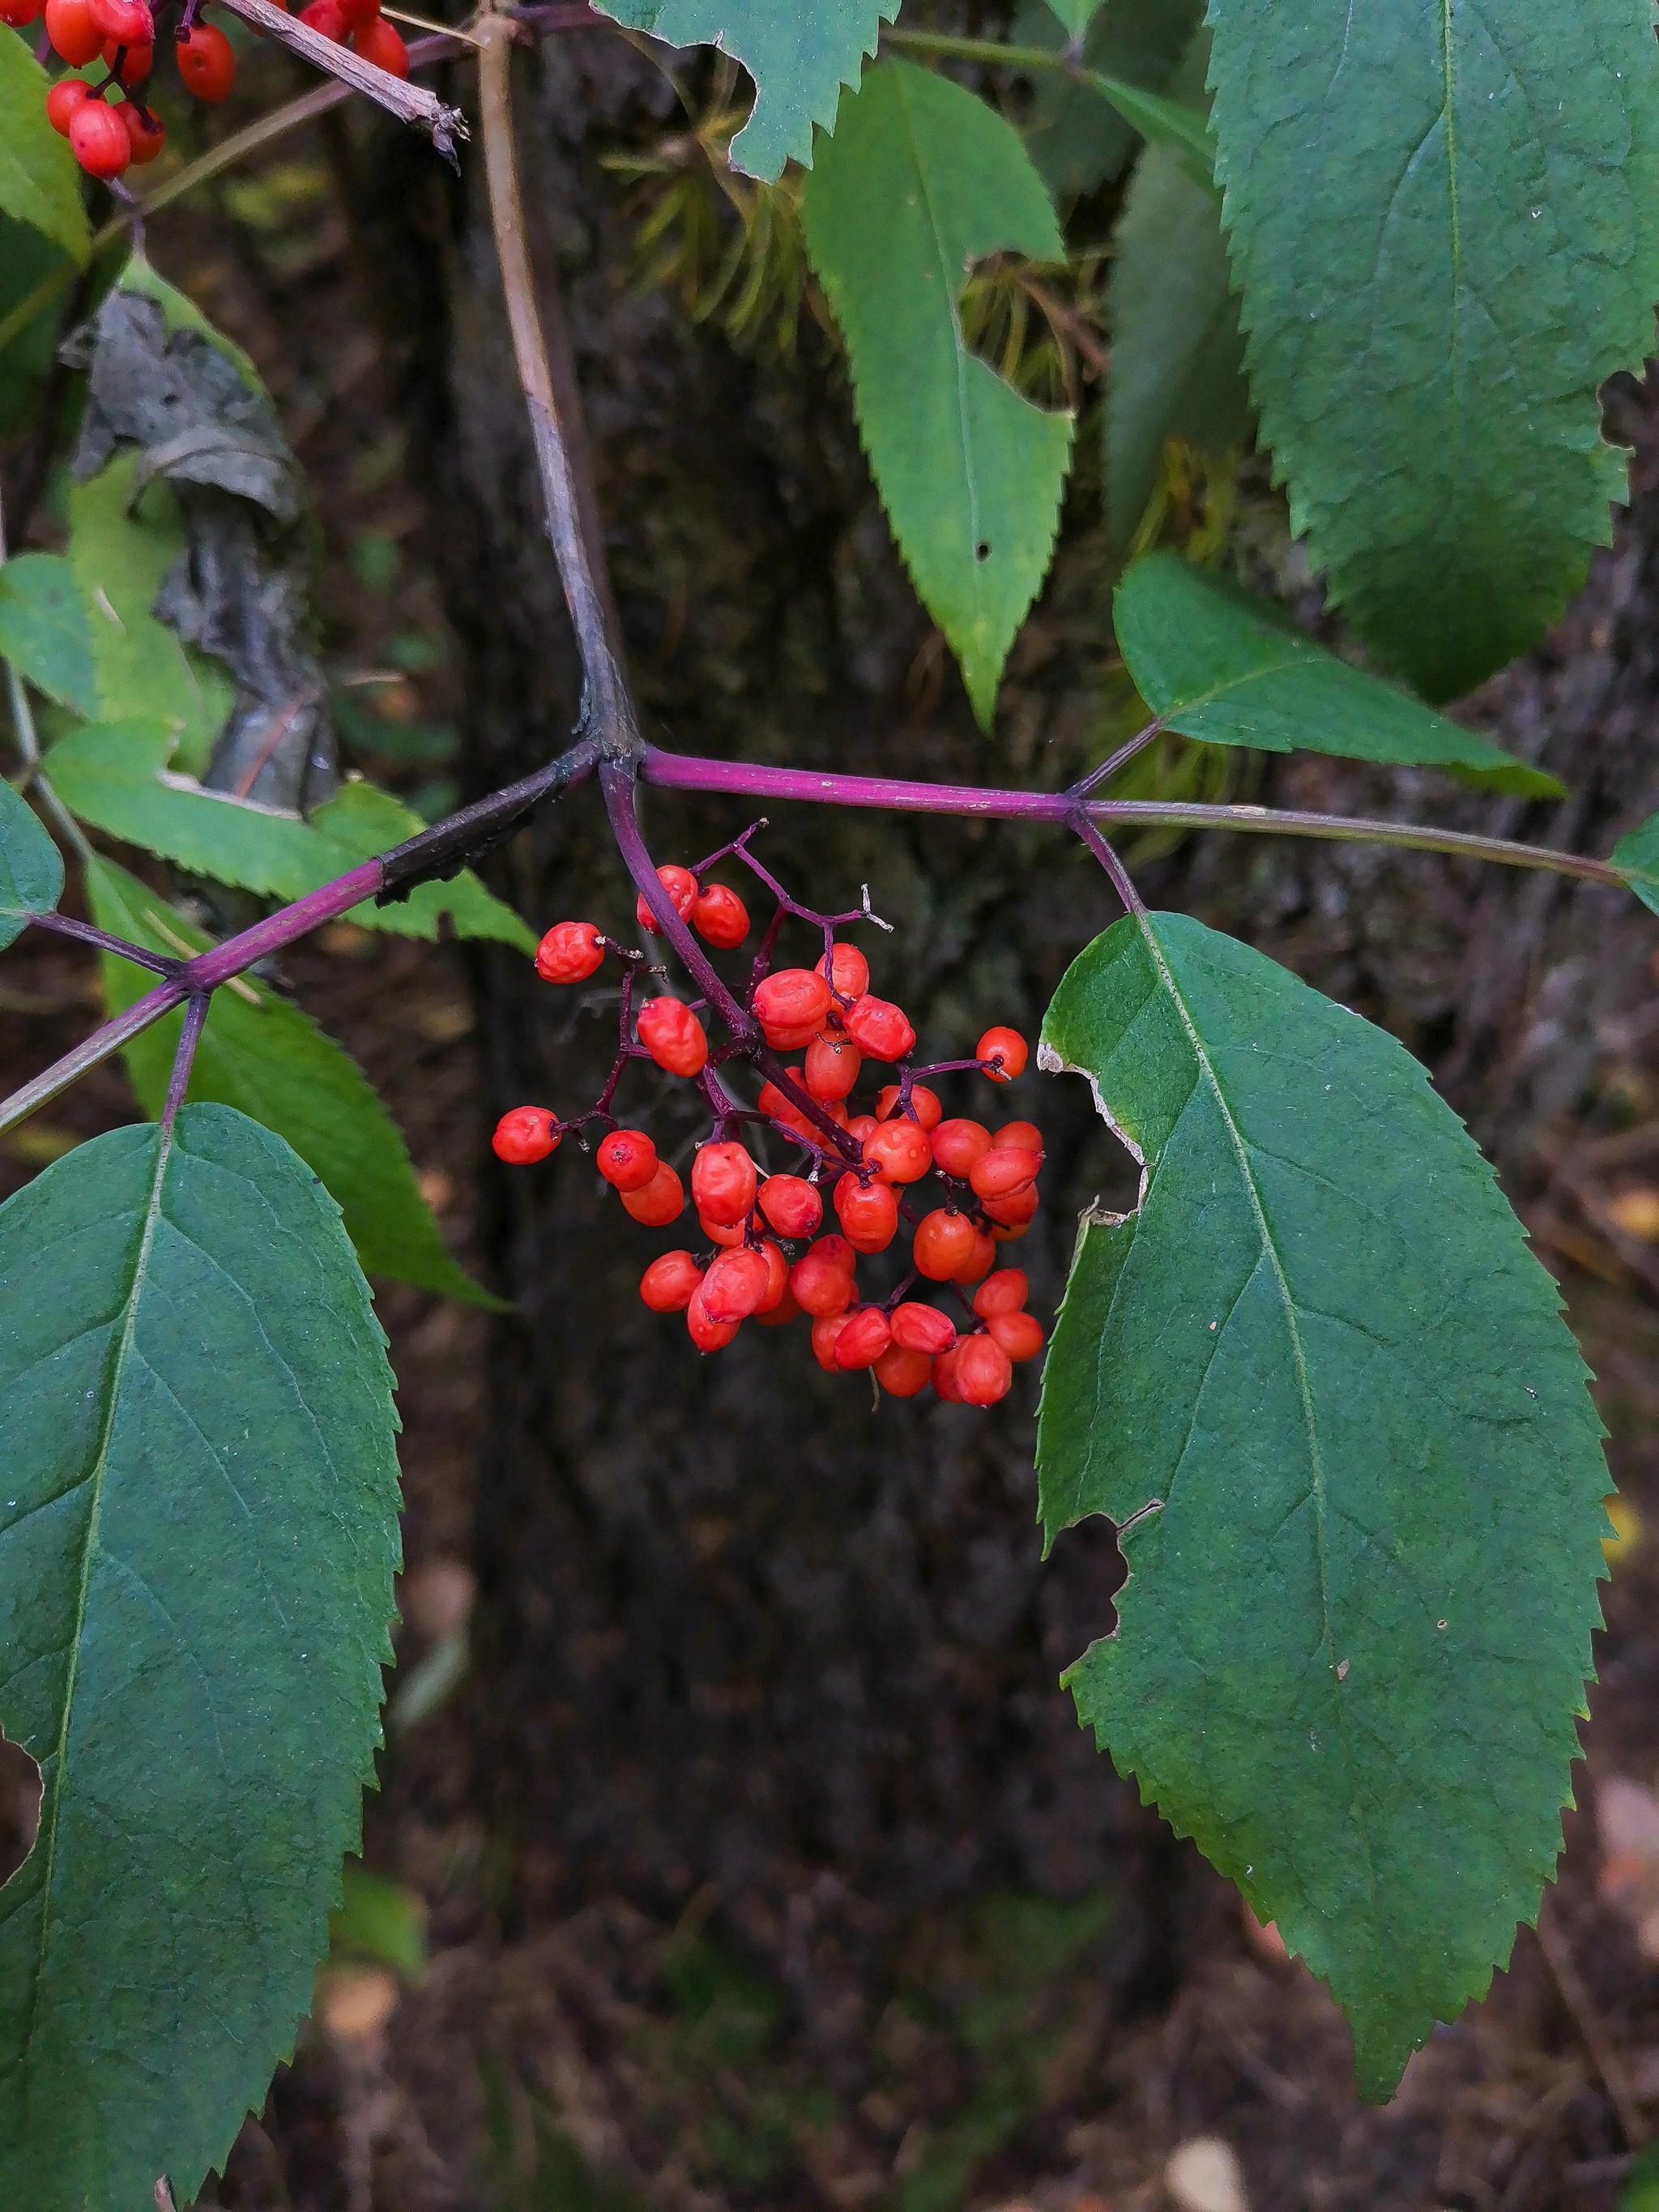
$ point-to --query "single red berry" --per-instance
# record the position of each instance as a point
(821, 1288)
(627, 1159)
(779, 1315)
(880, 1029)
(328, 18)
(1004, 1292)
(380, 43)
(667, 1284)
(1020, 1335)
(983, 1370)
(148, 137)
(943, 1243)
(136, 63)
(925, 1105)
(900, 1150)
(207, 63)
(736, 1283)
(837, 1250)
(792, 1039)
(980, 1261)
(832, 1065)
(777, 1280)
(791, 1205)
(98, 139)
(723, 1180)
(794, 999)
(69, 95)
(849, 974)
(20, 14)
(1017, 1207)
(681, 886)
(1007, 1048)
(359, 14)
(903, 1373)
(868, 1211)
(719, 917)
(722, 1232)
(944, 1374)
(569, 953)
(957, 1145)
(707, 1333)
(826, 1332)
(73, 33)
(922, 1328)
(662, 1201)
(1025, 1135)
(123, 22)
(865, 1337)
(527, 1132)
(673, 1037)
(1004, 1170)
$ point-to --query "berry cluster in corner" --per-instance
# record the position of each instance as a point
(109, 136)
(763, 1256)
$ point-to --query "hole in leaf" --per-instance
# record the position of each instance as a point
(981, 551)
(19, 1807)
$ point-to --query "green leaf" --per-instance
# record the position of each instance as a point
(44, 629)
(1213, 663)
(800, 53)
(26, 261)
(198, 1538)
(114, 775)
(1076, 14)
(1177, 357)
(39, 181)
(1641, 2191)
(31, 867)
(381, 1920)
(145, 669)
(1171, 124)
(1077, 140)
(1638, 856)
(921, 179)
(1445, 229)
(1322, 1373)
(261, 1055)
(181, 314)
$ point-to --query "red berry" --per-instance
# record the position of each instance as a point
(627, 1159)
(943, 1243)
(123, 22)
(569, 953)
(359, 14)
(1006, 1047)
(735, 1285)
(1004, 1292)
(1004, 1170)
(673, 1037)
(1025, 1135)
(880, 1029)
(667, 1284)
(1017, 1207)
(723, 1181)
(776, 1316)
(850, 974)
(382, 44)
(791, 1205)
(777, 1280)
(864, 1339)
(207, 63)
(794, 999)
(924, 1105)
(137, 61)
(826, 1332)
(73, 33)
(832, 1066)
(821, 1288)
(527, 1132)
(792, 1039)
(328, 17)
(20, 14)
(785, 1111)
(681, 886)
(1020, 1335)
(980, 1261)
(922, 1328)
(900, 1150)
(903, 1373)
(98, 139)
(861, 1129)
(837, 1250)
(69, 95)
(722, 1232)
(983, 1370)
(147, 138)
(721, 917)
(944, 1375)
(662, 1201)
(706, 1334)
(868, 1211)
(957, 1145)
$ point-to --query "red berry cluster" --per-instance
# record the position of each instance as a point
(766, 1260)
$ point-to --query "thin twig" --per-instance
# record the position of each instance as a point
(410, 103)
(1113, 761)
(1121, 884)
(64, 925)
(189, 1036)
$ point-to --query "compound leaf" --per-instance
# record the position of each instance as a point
(800, 53)
(1445, 229)
(39, 181)
(44, 629)
(197, 1537)
(1216, 664)
(921, 179)
(1352, 1648)
(31, 866)
(261, 1055)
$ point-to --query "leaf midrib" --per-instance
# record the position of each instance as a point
(52, 1821)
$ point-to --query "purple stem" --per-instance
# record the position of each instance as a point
(189, 1037)
(1120, 758)
(159, 963)
(1133, 902)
